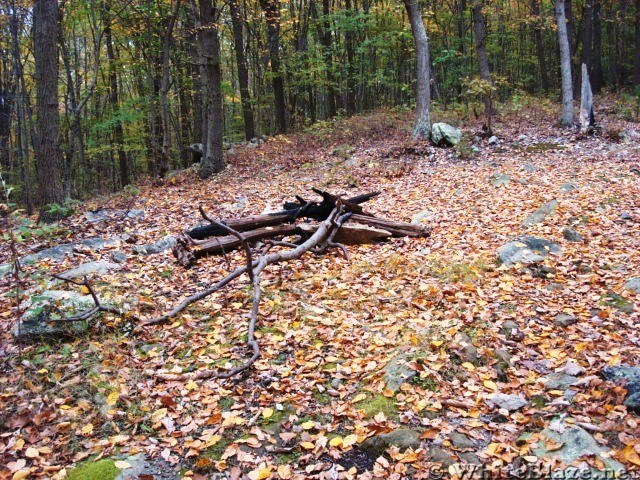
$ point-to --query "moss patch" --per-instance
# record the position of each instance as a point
(379, 403)
(104, 469)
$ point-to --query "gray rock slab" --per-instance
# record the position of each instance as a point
(402, 438)
(571, 235)
(510, 402)
(540, 214)
(569, 187)
(89, 269)
(565, 320)
(500, 179)
(396, 372)
(155, 468)
(526, 250)
(632, 284)
(165, 243)
(559, 381)
(443, 134)
(629, 377)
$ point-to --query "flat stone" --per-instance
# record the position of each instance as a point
(422, 216)
(437, 454)
(165, 243)
(397, 372)
(530, 168)
(119, 257)
(504, 356)
(90, 268)
(402, 438)
(527, 250)
(500, 180)
(565, 320)
(559, 381)
(493, 140)
(507, 402)
(626, 216)
(540, 214)
(632, 284)
(143, 467)
(98, 216)
(571, 235)
(569, 187)
(576, 444)
(460, 440)
(629, 377)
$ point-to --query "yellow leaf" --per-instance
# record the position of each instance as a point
(85, 290)
(113, 397)
(359, 398)
(158, 415)
(308, 425)
(87, 429)
(21, 474)
(336, 442)
(191, 385)
(122, 465)
(307, 445)
(630, 455)
(468, 366)
(490, 385)
(284, 471)
(349, 440)
(436, 343)
(42, 371)
(19, 444)
(32, 453)
(267, 412)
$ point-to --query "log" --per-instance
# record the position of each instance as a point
(187, 252)
(353, 233)
(302, 209)
(397, 229)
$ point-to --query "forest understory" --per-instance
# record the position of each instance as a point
(463, 360)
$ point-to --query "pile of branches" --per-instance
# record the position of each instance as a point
(336, 220)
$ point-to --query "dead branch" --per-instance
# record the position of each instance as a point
(254, 268)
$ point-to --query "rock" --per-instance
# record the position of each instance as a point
(493, 140)
(626, 216)
(166, 242)
(397, 372)
(460, 440)
(507, 402)
(555, 287)
(118, 256)
(402, 438)
(503, 356)
(540, 214)
(530, 167)
(437, 454)
(575, 443)
(565, 320)
(571, 235)
(445, 135)
(571, 368)
(569, 187)
(35, 323)
(89, 269)
(470, 458)
(632, 284)
(629, 377)
(500, 180)
(141, 467)
(97, 216)
(559, 381)
(466, 347)
(422, 216)
(527, 250)
(618, 302)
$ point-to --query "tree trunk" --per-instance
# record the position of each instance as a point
(271, 9)
(349, 45)
(422, 127)
(243, 72)
(587, 35)
(565, 65)
(587, 117)
(118, 133)
(47, 148)
(211, 78)
(537, 36)
(636, 57)
(597, 79)
(480, 34)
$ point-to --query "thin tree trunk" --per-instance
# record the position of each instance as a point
(537, 36)
(422, 127)
(243, 72)
(48, 154)
(271, 9)
(565, 65)
(211, 77)
(480, 34)
(636, 57)
(349, 45)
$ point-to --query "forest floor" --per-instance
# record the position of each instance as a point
(339, 337)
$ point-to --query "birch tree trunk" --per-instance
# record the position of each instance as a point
(565, 65)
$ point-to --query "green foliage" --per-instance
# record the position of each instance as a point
(104, 469)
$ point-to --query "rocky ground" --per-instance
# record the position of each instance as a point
(506, 341)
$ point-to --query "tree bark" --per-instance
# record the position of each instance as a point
(565, 65)
(211, 77)
(271, 9)
(243, 72)
(480, 34)
(48, 154)
(636, 57)
(537, 36)
(422, 127)
(597, 79)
